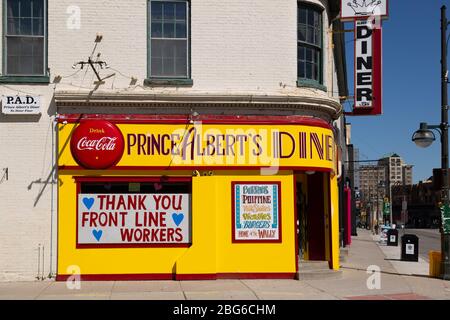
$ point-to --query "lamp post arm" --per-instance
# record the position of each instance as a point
(438, 127)
(433, 127)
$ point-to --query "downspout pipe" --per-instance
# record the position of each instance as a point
(54, 180)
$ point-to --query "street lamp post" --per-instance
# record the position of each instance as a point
(380, 187)
(391, 204)
(424, 137)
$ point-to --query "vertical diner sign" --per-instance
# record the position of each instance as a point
(256, 212)
(367, 16)
(368, 82)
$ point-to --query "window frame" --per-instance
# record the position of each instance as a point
(164, 80)
(17, 78)
(79, 180)
(306, 82)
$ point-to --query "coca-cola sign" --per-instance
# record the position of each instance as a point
(97, 144)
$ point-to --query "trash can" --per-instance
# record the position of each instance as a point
(410, 247)
(392, 237)
(435, 264)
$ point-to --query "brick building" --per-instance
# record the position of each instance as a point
(154, 66)
(421, 202)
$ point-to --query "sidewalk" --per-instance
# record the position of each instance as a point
(393, 255)
(398, 281)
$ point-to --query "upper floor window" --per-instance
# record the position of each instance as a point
(309, 43)
(169, 39)
(24, 40)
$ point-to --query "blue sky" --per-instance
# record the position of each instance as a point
(411, 84)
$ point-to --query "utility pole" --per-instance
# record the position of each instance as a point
(424, 137)
(378, 206)
(445, 238)
(390, 201)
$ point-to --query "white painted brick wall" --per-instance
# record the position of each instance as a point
(25, 220)
(238, 46)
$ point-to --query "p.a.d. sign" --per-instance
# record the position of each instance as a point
(21, 105)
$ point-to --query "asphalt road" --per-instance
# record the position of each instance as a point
(429, 239)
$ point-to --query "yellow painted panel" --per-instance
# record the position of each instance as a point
(256, 257)
(334, 191)
(212, 250)
(201, 257)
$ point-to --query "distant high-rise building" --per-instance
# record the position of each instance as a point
(407, 175)
(397, 171)
(375, 180)
(371, 179)
(356, 168)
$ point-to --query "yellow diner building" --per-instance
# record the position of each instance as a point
(203, 198)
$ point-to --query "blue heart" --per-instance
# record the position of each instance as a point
(177, 218)
(97, 234)
(88, 202)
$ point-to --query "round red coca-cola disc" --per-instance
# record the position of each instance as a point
(97, 144)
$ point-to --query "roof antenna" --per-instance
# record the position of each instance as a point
(93, 64)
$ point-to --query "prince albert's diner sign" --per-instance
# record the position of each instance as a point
(100, 144)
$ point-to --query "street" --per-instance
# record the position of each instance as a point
(429, 239)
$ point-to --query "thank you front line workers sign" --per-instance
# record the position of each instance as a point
(133, 219)
(256, 212)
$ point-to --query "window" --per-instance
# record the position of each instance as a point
(132, 212)
(169, 39)
(309, 44)
(24, 38)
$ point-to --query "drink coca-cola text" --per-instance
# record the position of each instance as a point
(102, 144)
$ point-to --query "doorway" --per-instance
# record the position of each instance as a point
(316, 217)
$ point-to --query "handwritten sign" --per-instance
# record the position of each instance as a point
(117, 219)
(256, 214)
